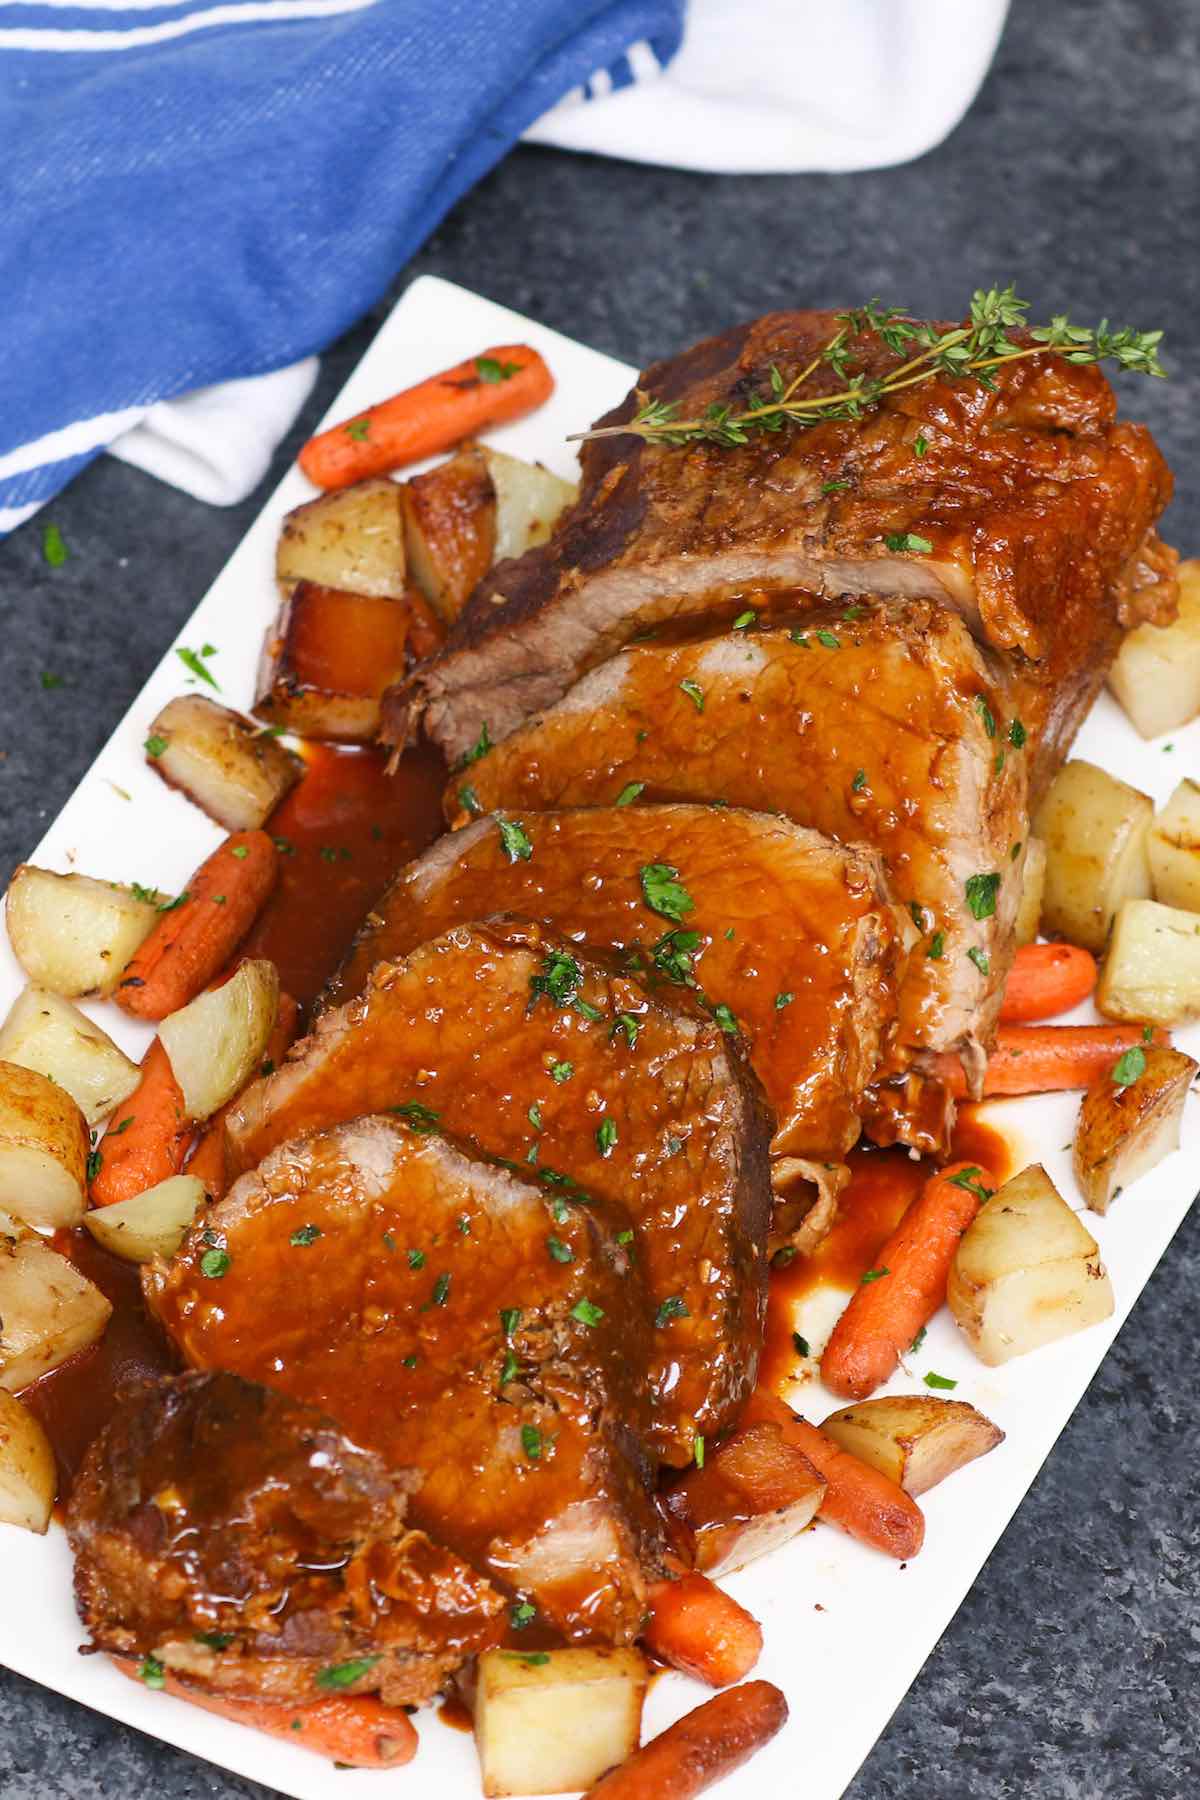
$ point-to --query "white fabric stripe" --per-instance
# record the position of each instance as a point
(70, 440)
(12, 516)
(32, 39)
(600, 84)
(642, 59)
(116, 6)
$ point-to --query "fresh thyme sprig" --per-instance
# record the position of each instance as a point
(963, 352)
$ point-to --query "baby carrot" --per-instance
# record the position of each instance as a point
(1043, 1059)
(703, 1747)
(859, 1499)
(192, 940)
(207, 1161)
(499, 384)
(147, 1138)
(697, 1627)
(908, 1284)
(356, 1730)
(1047, 979)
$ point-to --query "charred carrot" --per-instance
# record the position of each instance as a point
(907, 1285)
(207, 1161)
(357, 1730)
(1044, 1059)
(148, 1138)
(499, 384)
(860, 1500)
(192, 940)
(701, 1748)
(697, 1627)
(1045, 980)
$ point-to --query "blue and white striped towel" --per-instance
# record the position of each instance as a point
(196, 192)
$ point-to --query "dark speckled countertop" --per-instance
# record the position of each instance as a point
(1071, 1672)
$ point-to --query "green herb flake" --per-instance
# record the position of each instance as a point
(698, 1451)
(673, 956)
(939, 1381)
(411, 1360)
(416, 1259)
(215, 1264)
(630, 1024)
(918, 914)
(800, 1344)
(441, 1290)
(834, 487)
(673, 1307)
(829, 640)
(629, 793)
(191, 660)
(625, 1237)
(695, 694)
(154, 746)
(213, 1640)
(860, 781)
(534, 1115)
(54, 549)
(389, 1242)
(908, 540)
(606, 1136)
(489, 368)
(522, 1614)
(970, 1179)
(782, 1000)
(558, 979)
(469, 800)
(981, 891)
(664, 893)
(799, 637)
(918, 1341)
(1017, 735)
(517, 846)
(421, 1119)
(745, 620)
(920, 444)
(561, 1071)
(937, 947)
(980, 959)
(95, 1163)
(480, 747)
(562, 1253)
(869, 1275)
(304, 1236)
(986, 714)
(343, 1675)
(531, 1443)
(1130, 1067)
(783, 1256)
(725, 1019)
(50, 680)
(510, 1318)
(152, 1672)
(533, 1659)
(587, 1312)
(358, 430)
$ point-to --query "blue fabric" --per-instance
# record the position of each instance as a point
(224, 202)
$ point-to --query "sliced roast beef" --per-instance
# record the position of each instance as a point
(785, 928)
(881, 721)
(459, 1319)
(250, 1546)
(1022, 505)
(515, 1041)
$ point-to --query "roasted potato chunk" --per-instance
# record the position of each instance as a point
(28, 1476)
(46, 1033)
(754, 1493)
(150, 1224)
(327, 659)
(914, 1439)
(48, 1310)
(1156, 676)
(1129, 1119)
(554, 1720)
(450, 529)
(1026, 1272)
(233, 771)
(1033, 885)
(1094, 828)
(351, 539)
(529, 500)
(216, 1042)
(1152, 971)
(74, 935)
(1174, 848)
(44, 1146)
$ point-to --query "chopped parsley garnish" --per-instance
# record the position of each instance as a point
(630, 1024)
(344, 1675)
(745, 620)
(625, 1237)
(215, 1263)
(192, 661)
(695, 693)
(559, 979)
(673, 956)
(783, 1256)
(698, 1451)
(629, 793)
(469, 799)
(833, 487)
(214, 1640)
(873, 1275)
(829, 640)
(1017, 735)
(918, 914)
(418, 1118)
(562, 1253)
(416, 1259)
(510, 1368)
(918, 1340)
(480, 747)
(606, 1136)
(998, 762)
(54, 549)
(937, 946)
(725, 1019)
(358, 430)
(673, 1307)
(981, 891)
(907, 540)
(663, 891)
(50, 680)
(152, 1672)
(517, 846)
(939, 1381)
(154, 745)
(531, 1443)
(304, 1236)
(534, 1115)
(587, 1312)
(410, 1361)
(284, 846)
(782, 1000)
(980, 959)
(533, 1659)
(1129, 1067)
(969, 1179)
(489, 368)
(986, 714)
(522, 1614)
(561, 1071)
(239, 851)
(800, 1344)
(441, 1290)
(389, 1242)
(464, 1224)
(95, 1163)
(860, 781)
(586, 1010)
(510, 1318)
(920, 444)
(799, 637)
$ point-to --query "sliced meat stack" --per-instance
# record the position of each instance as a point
(786, 930)
(1036, 505)
(514, 1041)
(458, 1319)
(882, 722)
(250, 1546)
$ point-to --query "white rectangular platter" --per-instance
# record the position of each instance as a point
(838, 1619)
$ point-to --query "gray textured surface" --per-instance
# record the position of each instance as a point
(1070, 1673)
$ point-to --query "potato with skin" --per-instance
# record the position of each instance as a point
(216, 1042)
(753, 1493)
(1033, 886)
(351, 539)
(46, 1033)
(329, 656)
(1129, 1119)
(44, 1148)
(150, 1224)
(1156, 676)
(1151, 974)
(450, 529)
(232, 770)
(1094, 828)
(1174, 848)
(1027, 1271)
(550, 1721)
(72, 934)
(916, 1440)
(28, 1475)
(48, 1310)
